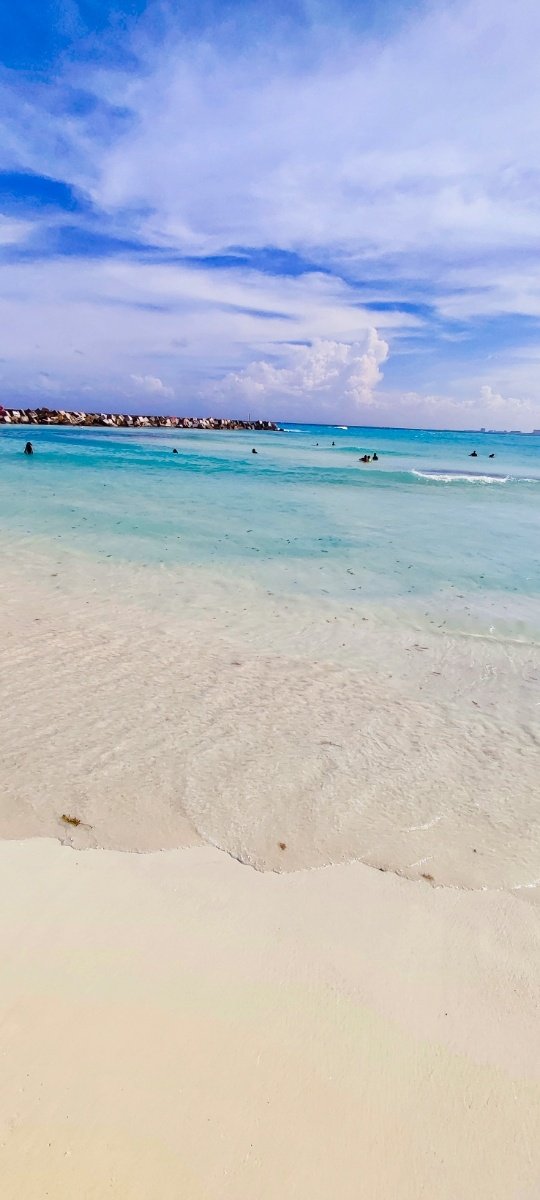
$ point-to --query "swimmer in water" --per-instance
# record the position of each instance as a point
(254, 451)
(473, 454)
(375, 457)
(492, 456)
(28, 449)
(365, 458)
(175, 451)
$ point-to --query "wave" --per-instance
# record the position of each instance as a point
(460, 476)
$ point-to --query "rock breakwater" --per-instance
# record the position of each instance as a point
(53, 416)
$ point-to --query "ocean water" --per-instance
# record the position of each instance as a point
(291, 655)
(425, 530)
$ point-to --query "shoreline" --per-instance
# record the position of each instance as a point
(320, 760)
(174, 1024)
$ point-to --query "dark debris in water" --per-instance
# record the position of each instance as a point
(75, 821)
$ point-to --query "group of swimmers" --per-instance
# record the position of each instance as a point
(366, 458)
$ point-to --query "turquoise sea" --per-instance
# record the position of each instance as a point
(427, 527)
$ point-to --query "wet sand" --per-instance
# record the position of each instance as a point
(162, 711)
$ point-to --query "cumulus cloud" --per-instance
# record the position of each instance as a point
(494, 401)
(115, 326)
(460, 409)
(332, 375)
(152, 385)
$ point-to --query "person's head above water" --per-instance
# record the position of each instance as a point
(254, 451)
(473, 454)
(175, 451)
(28, 449)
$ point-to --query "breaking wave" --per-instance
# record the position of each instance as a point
(460, 476)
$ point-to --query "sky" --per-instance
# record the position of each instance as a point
(294, 210)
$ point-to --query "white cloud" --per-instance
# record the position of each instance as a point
(428, 142)
(494, 401)
(331, 375)
(152, 385)
(117, 325)
(13, 232)
(412, 159)
(462, 408)
(424, 144)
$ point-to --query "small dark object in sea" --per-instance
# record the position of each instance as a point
(473, 454)
(254, 451)
(28, 449)
(375, 457)
(175, 451)
(492, 456)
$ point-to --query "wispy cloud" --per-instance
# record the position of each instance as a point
(13, 232)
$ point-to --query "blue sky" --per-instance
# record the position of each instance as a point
(300, 210)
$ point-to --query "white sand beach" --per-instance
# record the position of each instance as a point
(269, 600)
(177, 1024)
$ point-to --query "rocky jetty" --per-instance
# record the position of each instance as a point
(60, 416)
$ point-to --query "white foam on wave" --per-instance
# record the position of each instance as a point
(459, 476)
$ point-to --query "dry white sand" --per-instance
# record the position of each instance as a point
(179, 1025)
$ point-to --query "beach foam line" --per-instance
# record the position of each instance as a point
(460, 476)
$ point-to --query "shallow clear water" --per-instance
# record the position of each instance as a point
(426, 525)
(277, 648)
